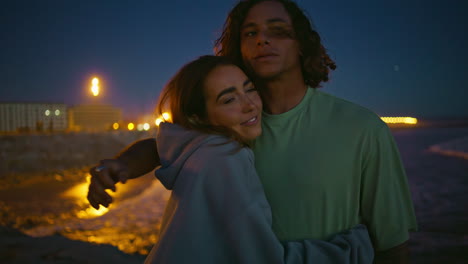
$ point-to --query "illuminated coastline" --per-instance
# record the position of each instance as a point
(400, 120)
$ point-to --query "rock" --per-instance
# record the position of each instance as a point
(16, 247)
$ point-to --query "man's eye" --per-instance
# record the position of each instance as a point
(250, 33)
(281, 32)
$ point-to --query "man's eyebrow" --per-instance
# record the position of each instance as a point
(274, 20)
(225, 91)
(246, 82)
(269, 21)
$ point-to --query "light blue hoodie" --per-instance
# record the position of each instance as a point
(218, 212)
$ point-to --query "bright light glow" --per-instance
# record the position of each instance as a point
(90, 212)
(411, 120)
(95, 87)
(140, 127)
(80, 192)
(47, 112)
(166, 116)
(158, 121)
(115, 126)
(400, 120)
(146, 126)
(57, 112)
(131, 126)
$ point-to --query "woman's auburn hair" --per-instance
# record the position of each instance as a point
(316, 63)
(184, 97)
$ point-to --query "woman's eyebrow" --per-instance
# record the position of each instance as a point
(225, 91)
(232, 89)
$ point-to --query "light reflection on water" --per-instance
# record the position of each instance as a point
(131, 223)
(80, 193)
(59, 206)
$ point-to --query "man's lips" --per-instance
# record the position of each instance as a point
(265, 56)
(250, 122)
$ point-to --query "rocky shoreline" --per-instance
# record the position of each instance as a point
(45, 153)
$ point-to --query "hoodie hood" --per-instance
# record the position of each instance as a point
(175, 145)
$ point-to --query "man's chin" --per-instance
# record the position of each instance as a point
(263, 73)
(266, 75)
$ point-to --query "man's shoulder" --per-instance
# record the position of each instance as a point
(344, 111)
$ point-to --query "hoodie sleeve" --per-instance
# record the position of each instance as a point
(218, 213)
(239, 205)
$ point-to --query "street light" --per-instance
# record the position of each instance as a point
(95, 86)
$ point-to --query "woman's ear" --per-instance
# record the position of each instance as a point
(195, 121)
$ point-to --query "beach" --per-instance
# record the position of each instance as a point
(45, 217)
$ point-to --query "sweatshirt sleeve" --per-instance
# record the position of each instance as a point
(238, 204)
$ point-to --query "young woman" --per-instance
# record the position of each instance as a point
(217, 212)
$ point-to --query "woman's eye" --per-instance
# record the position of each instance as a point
(253, 89)
(228, 100)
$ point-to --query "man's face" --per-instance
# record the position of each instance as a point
(268, 45)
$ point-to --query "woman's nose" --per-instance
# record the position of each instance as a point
(247, 104)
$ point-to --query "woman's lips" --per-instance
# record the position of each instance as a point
(250, 122)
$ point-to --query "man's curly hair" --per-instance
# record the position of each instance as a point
(316, 63)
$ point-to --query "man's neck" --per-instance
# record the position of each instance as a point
(282, 95)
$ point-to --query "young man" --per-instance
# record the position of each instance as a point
(326, 164)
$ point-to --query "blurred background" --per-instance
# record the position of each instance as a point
(80, 80)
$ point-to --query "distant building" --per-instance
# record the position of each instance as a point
(32, 117)
(93, 117)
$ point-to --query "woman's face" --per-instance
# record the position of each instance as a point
(233, 102)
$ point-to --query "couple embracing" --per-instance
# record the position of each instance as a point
(264, 167)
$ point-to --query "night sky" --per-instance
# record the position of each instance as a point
(395, 57)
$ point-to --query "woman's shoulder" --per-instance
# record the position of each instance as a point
(225, 164)
(223, 150)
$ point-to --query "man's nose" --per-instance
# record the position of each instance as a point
(263, 38)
